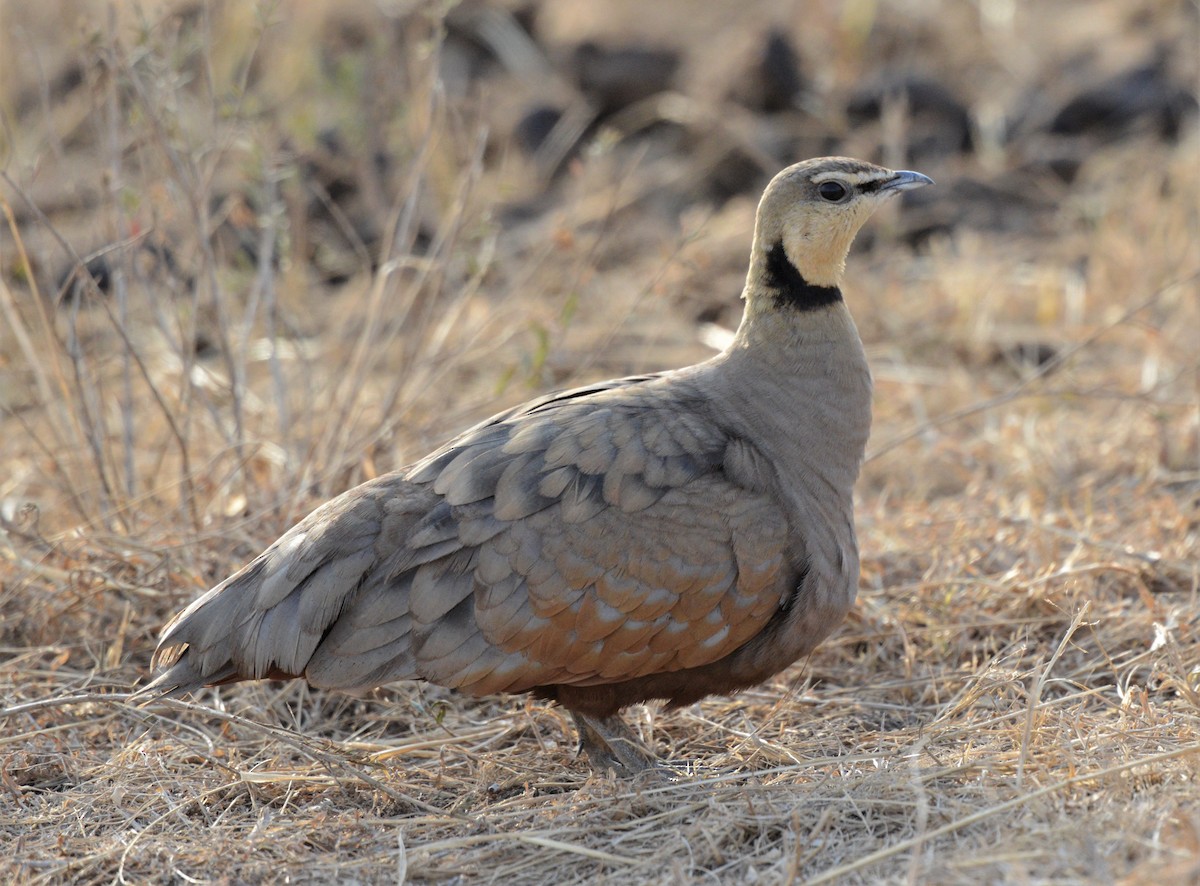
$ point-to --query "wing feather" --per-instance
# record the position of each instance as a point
(597, 535)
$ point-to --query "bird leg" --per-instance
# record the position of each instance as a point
(610, 744)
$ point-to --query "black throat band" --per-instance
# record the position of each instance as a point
(790, 288)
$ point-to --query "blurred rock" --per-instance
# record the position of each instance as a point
(773, 79)
(66, 81)
(535, 127)
(483, 37)
(613, 79)
(1025, 355)
(1064, 167)
(1008, 203)
(149, 259)
(344, 206)
(73, 283)
(939, 123)
(329, 164)
(1143, 97)
(609, 81)
(737, 172)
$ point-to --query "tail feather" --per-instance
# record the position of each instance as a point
(268, 620)
(180, 679)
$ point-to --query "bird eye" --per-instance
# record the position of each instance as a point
(832, 191)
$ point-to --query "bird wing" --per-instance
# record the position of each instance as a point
(592, 536)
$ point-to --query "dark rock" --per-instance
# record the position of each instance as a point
(535, 126)
(95, 275)
(773, 80)
(330, 166)
(613, 79)
(736, 173)
(1007, 204)
(73, 283)
(1026, 354)
(940, 123)
(1142, 97)
(1064, 168)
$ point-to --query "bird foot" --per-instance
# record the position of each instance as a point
(610, 744)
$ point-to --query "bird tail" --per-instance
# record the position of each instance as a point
(214, 640)
(178, 675)
(268, 620)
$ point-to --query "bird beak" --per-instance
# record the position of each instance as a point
(903, 180)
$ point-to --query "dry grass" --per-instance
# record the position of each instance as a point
(1015, 698)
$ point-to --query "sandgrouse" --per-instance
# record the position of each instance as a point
(665, 536)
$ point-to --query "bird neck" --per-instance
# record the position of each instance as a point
(785, 276)
(790, 289)
(804, 335)
(804, 375)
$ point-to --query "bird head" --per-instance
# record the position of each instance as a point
(807, 219)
